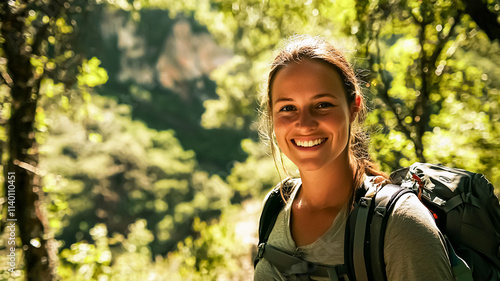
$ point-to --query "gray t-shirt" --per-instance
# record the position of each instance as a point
(413, 248)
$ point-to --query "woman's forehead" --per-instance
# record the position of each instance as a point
(306, 76)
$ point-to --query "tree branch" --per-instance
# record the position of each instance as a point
(385, 94)
(53, 10)
(420, 113)
(442, 43)
(6, 80)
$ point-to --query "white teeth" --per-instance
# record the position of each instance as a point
(309, 143)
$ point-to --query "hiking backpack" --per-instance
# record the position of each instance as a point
(463, 203)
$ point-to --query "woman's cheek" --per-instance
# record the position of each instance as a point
(280, 130)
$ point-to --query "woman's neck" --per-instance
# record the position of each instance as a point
(326, 188)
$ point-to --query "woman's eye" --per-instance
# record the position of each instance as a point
(287, 108)
(324, 105)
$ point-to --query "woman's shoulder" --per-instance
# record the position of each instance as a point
(414, 248)
(410, 210)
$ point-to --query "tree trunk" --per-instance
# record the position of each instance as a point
(38, 250)
(39, 256)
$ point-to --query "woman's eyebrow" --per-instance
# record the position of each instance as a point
(318, 96)
(283, 100)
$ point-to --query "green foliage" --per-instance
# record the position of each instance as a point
(116, 258)
(91, 75)
(84, 261)
(111, 169)
(257, 174)
(215, 253)
(430, 69)
(220, 250)
(205, 258)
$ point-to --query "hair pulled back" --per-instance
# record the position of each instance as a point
(298, 48)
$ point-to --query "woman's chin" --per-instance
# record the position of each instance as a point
(309, 165)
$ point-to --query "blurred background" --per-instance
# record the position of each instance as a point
(131, 125)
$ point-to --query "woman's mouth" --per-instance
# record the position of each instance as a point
(310, 143)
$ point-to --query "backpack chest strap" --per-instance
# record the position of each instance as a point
(289, 264)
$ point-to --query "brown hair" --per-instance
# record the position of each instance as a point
(302, 47)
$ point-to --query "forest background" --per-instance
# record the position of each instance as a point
(130, 127)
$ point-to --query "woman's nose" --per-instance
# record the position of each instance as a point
(306, 121)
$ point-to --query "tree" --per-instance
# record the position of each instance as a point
(421, 18)
(26, 29)
(418, 60)
(38, 56)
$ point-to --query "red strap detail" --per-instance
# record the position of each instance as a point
(420, 185)
(417, 178)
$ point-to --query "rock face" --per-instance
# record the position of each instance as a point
(177, 56)
(187, 56)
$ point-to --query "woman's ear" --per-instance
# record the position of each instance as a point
(355, 107)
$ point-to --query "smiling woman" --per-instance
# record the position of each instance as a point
(311, 115)
(311, 82)
(314, 115)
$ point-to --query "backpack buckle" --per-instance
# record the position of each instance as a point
(260, 250)
(365, 201)
(381, 211)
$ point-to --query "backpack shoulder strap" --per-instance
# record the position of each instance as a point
(272, 206)
(355, 238)
(365, 230)
(385, 200)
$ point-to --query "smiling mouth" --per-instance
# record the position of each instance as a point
(310, 143)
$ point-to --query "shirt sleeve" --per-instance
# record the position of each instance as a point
(414, 249)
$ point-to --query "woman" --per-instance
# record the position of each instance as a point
(315, 111)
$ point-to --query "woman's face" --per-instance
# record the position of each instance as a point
(311, 115)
